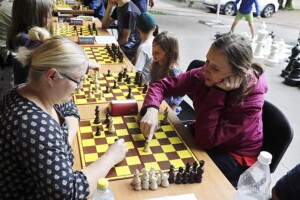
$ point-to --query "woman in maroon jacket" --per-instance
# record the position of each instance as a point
(228, 95)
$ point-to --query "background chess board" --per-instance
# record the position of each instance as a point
(119, 93)
(101, 55)
(68, 30)
(166, 148)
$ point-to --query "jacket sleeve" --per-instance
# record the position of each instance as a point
(234, 6)
(217, 123)
(167, 87)
(257, 7)
(288, 186)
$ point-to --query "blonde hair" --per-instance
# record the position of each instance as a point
(56, 52)
(169, 44)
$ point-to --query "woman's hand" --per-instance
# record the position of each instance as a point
(116, 152)
(149, 122)
(230, 83)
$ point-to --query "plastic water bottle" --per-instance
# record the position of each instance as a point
(103, 191)
(255, 182)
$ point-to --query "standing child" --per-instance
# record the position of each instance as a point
(146, 26)
(245, 10)
(126, 14)
(26, 14)
(165, 58)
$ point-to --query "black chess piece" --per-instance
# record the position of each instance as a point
(108, 73)
(200, 171)
(107, 89)
(145, 89)
(98, 133)
(97, 119)
(171, 178)
(179, 177)
(124, 72)
(293, 79)
(120, 76)
(129, 95)
(80, 30)
(136, 78)
(192, 177)
(187, 167)
(272, 35)
(140, 81)
(128, 80)
(106, 119)
(94, 26)
(195, 165)
(115, 84)
(293, 57)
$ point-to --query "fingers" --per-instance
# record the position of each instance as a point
(230, 83)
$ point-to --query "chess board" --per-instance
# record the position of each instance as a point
(166, 148)
(101, 55)
(104, 81)
(68, 30)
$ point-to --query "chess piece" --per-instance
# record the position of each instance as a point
(293, 57)
(135, 177)
(115, 84)
(146, 148)
(106, 121)
(108, 73)
(145, 181)
(91, 94)
(165, 119)
(129, 95)
(171, 178)
(151, 172)
(200, 171)
(100, 94)
(178, 179)
(195, 165)
(111, 128)
(159, 175)
(120, 76)
(273, 57)
(153, 183)
(262, 34)
(191, 177)
(187, 167)
(98, 133)
(293, 79)
(107, 89)
(145, 88)
(138, 184)
(165, 180)
(97, 118)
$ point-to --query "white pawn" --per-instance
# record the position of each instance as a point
(144, 173)
(138, 184)
(159, 175)
(153, 181)
(273, 57)
(151, 173)
(145, 182)
(164, 180)
(135, 177)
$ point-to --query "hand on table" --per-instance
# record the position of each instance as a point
(117, 151)
(149, 123)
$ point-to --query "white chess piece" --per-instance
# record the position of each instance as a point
(164, 180)
(262, 34)
(273, 57)
(135, 177)
(138, 184)
(153, 181)
(145, 182)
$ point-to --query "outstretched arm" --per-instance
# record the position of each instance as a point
(107, 19)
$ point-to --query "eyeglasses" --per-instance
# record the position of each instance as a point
(71, 79)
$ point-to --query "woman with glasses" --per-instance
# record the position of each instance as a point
(38, 123)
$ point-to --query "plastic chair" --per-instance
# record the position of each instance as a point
(278, 133)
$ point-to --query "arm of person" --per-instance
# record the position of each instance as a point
(151, 3)
(257, 8)
(287, 186)
(100, 168)
(234, 6)
(70, 112)
(124, 36)
(107, 19)
(94, 4)
(158, 90)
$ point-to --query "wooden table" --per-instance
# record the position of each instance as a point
(214, 185)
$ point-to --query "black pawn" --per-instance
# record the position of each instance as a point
(179, 177)
(195, 165)
(115, 84)
(129, 96)
(108, 73)
(98, 133)
(97, 119)
(107, 89)
(128, 80)
(191, 177)
(293, 57)
(120, 76)
(293, 79)
(145, 89)
(124, 72)
(171, 178)
(200, 171)
(187, 167)
(106, 119)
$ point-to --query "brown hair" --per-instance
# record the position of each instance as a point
(169, 44)
(26, 14)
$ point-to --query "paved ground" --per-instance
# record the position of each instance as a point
(195, 39)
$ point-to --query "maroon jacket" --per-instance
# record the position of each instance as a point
(235, 125)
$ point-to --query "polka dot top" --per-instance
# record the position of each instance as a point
(36, 158)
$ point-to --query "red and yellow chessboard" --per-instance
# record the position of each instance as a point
(101, 55)
(166, 148)
(104, 81)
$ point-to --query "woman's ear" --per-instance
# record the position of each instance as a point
(50, 76)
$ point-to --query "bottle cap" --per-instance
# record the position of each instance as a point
(265, 157)
(102, 183)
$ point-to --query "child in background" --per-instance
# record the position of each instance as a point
(165, 52)
(96, 5)
(126, 14)
(146, 26)
(26, 14)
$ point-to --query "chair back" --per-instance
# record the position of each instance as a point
(277, 131)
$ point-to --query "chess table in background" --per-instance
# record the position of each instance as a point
(102, 56)
(68, 30)
(166, 148)
(119, 93)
